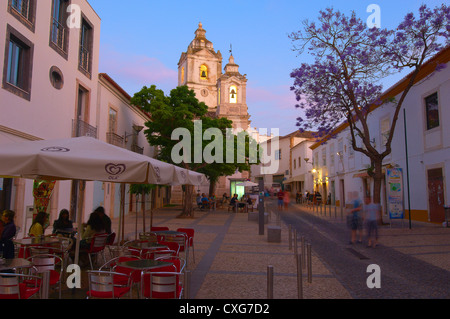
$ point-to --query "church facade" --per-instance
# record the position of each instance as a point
(222, 89)
(200, 68)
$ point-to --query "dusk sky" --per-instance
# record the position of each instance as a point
(142, 41)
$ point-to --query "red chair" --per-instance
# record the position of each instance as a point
(179, 263)
(48, 262)
(172, 245)
(111, 239)
(158, 253)
(97, 246)
(13, 287)
(190, 238)
(161, 283)
(102, 285)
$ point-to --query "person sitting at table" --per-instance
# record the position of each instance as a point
(94, 226)
(205, 201)
(63, 222)
(37, 229)
(199, 200)
(105, 218)
(7, 234)
(235, 200)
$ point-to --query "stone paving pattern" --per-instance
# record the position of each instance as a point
(231, 258)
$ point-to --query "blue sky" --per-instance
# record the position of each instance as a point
(142, 41)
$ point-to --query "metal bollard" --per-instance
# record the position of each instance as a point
(295, 243)
(309, 263)
(303, 247)
(290, 237)
(269, 282)
(299, 277)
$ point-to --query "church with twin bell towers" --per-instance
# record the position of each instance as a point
(222, 89)
(200, 69)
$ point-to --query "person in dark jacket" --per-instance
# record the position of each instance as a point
(63, 222)
(7, 234)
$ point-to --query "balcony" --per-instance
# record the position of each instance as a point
(115, 139)
(137, 149)
(81, 128)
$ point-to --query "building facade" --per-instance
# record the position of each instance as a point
(421, 148)
(52, 88)
(283, 164)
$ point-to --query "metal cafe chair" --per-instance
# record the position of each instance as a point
(161, 283)
(102, 284)
(97, 246)
(51, 263)
(12, 286)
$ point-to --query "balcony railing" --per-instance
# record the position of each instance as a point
(58, 34)
(84, 61)
(114, 139)
(81, 128)
(137, 149)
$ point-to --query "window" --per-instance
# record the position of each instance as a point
(278, 155)
(233, 94)
(24, 11)
(56, 78)
(86, 43)
(324, 157)
(204, 72)
(58, 32)
(18, 64)
(295, 163)
(432, 111)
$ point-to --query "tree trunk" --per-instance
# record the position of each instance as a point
(377, 181)
(188, 208)
(212, 188)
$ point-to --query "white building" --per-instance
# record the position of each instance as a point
(51, 88)
(340, 170)
(277, 163)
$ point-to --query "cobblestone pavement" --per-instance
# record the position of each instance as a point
(232, 259)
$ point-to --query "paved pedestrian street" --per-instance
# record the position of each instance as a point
(232, 259)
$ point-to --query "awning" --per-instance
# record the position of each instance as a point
(361, 175)
(298, 178)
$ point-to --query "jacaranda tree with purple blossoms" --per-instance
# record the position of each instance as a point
(350, 61)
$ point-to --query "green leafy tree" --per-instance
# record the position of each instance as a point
(182, 110)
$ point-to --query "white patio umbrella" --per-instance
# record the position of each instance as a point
(247, 184)
(184, 176)
(82, 158)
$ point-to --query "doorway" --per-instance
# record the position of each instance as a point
(436, 195)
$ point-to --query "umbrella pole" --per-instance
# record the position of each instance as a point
(82, 185)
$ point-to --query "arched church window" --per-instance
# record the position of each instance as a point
(182, 75)
(204, 72)
(233, 94)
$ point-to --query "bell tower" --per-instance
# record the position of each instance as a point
(200, 67)
(232, 101)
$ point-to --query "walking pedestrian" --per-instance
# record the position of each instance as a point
(286, 200)
(355, 218)
(371, 213)
(280, 199)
